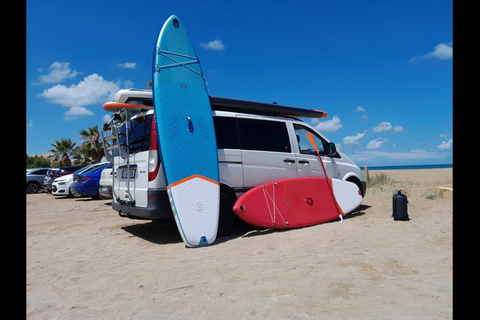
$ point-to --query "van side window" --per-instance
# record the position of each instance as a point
(305, 145)
(263, 135)
(226, 131)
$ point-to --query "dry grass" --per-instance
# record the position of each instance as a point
(438, 194)
(381, 182)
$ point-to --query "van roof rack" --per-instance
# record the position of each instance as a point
(144, 97)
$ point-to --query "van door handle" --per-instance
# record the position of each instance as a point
(303, 161)
(288, 160)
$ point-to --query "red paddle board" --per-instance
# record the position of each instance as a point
(288, 204)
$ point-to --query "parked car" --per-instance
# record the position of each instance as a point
(53, 174)
(35, 179)
(106, 180)
(252, 149)
(61, 185)
(86, 184)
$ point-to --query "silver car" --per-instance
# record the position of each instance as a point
(35, 179)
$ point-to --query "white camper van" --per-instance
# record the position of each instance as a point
(252, 149)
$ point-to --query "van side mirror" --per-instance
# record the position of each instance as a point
(331, 149)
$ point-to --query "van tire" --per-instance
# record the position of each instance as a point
(226, 217)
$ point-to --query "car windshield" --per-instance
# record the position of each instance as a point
(82, 169)
(88, 168)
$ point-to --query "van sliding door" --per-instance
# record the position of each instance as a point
(266, 151)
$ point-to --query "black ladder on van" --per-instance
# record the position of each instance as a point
(111, 143)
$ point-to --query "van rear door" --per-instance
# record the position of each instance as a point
(266, 151)
(131, 180)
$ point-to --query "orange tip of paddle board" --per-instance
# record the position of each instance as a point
(115, 106)
(324, 115)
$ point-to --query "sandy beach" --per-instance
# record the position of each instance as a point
(85, 262)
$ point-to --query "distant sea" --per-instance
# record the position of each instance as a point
(420, 166)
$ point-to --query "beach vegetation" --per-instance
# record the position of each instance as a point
(436, 194)
(91, 148)
(62, 150)
(65, 152)
(380, 180)
(38, 162)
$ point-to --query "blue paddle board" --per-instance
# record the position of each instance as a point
(186, 134)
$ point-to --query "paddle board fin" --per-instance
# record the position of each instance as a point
(203, 241)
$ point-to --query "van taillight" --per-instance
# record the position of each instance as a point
(153, 156)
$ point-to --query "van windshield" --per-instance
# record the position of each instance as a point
(139, 134)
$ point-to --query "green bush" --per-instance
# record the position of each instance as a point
(38, 162)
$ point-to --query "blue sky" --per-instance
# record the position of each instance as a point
(382, 70)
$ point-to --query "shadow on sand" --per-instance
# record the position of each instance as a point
(165, 231)
(159, 231)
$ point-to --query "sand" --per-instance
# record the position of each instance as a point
(85, 262)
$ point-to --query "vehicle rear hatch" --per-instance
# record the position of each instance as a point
(131, 179)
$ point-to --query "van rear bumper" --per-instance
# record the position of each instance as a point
(158, 207)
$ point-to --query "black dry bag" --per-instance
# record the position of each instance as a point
(400, 201)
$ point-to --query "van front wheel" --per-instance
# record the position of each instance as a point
(226, 217)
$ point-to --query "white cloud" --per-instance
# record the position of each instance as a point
(30, 123)
(215, 45)
(91, 90)
(329, 126)
(376, 143)
(79, 111)
(360, 109)
(398, 129)
(413, 154)
(75, 112)
(382, 126)
(375, 157)
(126, 83)
(387, 126)
(442, 51)
(58, 72)
(445, 145)
(106, 118)
(127, 65)
(353, 139)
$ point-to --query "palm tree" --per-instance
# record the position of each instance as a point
(79, 154)
(62, 149)
(91, 147)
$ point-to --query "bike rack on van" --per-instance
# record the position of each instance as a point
(113, 126)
